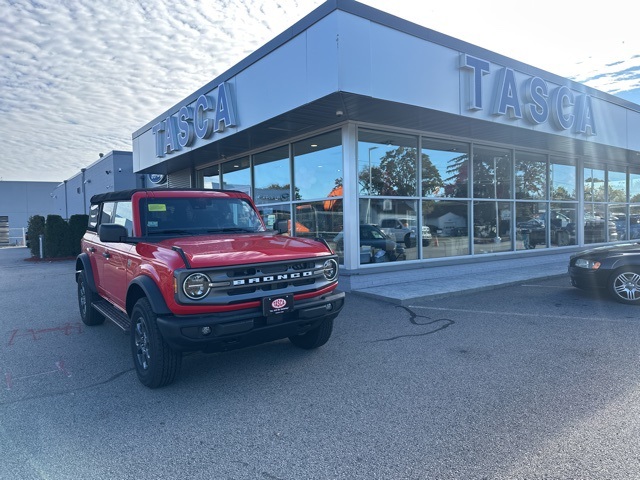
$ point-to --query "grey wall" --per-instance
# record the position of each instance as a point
(21, 200)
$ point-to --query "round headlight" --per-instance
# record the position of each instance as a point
(330, 269)
(196, 286)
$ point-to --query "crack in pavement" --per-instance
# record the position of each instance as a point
(444, 323)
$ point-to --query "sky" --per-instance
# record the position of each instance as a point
(78, 77)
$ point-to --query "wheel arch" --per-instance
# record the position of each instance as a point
(144, 286)
(83, 263)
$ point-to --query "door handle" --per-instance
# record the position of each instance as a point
(106, 255)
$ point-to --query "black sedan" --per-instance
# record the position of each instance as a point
(615, 268)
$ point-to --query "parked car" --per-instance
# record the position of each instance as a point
(385, 249)
(400, 231)
(615, 268)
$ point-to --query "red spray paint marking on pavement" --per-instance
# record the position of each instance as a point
(35, 335)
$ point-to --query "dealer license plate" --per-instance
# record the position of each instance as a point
(277, 305)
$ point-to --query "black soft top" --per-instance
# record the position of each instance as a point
(127, 194)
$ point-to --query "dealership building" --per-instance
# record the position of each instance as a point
(354, 121)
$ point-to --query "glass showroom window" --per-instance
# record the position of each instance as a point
(562, 179)
(209, 177)
(317, 166)
(445, 228)
(320, 220)
(531, 176)
(445, 168)
(236, 175)
(531, 225)
(563, 218)
(634, 222)
(617, 199)
(396, 221)
(275, 214)
(387, 164)
(492, 227)
(272, 176)
(595, 209)
(492, 169)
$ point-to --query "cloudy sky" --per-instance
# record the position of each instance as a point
(78, 77)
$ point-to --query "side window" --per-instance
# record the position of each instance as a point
(124, 216)
(106, 215)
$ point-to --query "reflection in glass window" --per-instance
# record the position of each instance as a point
(531, 176)
(445, 228)
(319, 220)
(272, 176)
(634, 222)
(491, 172)
(617, 186)
(236, 175)
(492, 227)
(618, 215)
(562, 176)
(593, 185)
(209, 177)
(634, 187)
(445, 168)
(563, 221)
(531, 225)
(273, 214)
(398, 220)
(595, 223)
(387, 164)
(317, 166)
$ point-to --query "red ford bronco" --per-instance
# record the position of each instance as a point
(196, 270)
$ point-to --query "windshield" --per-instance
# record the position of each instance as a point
(198, 215)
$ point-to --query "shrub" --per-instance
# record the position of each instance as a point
(35, 228)
(56, 235)
(77, 227)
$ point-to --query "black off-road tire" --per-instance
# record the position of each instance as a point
(155, 362)
(314, 338)
(90, 316)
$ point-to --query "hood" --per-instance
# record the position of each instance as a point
(619, 249)
(242, 249)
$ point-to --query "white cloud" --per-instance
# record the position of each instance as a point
(80, 77)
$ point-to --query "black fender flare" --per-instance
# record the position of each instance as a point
(153, 294)
(83, 263)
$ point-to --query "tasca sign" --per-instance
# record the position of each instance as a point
(532, 100)
(205, 118)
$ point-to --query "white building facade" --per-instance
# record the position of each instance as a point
(353, 116)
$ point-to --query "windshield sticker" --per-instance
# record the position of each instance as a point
(157, 207)
(152, 223)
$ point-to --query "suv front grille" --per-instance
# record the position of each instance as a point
(237, 284)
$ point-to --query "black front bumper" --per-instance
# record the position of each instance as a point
(232, 330)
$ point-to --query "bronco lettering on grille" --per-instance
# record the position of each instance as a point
(272, 278)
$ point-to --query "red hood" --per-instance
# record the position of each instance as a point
(223, 250)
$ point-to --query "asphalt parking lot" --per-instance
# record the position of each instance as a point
(535, 380)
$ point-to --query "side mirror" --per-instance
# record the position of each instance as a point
(112, 232)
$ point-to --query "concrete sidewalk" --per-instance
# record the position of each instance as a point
(445, 280)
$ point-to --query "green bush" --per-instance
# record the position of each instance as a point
(35, 228)
(77, 227)
(56, 237)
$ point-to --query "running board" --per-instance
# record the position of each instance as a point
(114, 314)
